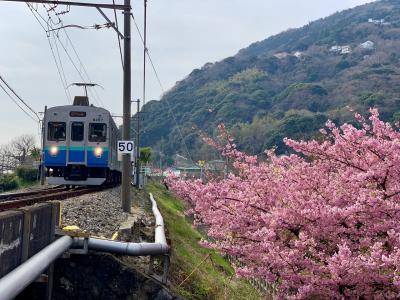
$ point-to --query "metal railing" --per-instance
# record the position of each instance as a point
(17, 280)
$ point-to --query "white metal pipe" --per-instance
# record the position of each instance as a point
(159, 247)
(17, 280)
(159, 231)
(132, 249)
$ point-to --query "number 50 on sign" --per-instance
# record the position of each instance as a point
(125, 147)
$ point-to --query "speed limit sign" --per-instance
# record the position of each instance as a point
(125, 147)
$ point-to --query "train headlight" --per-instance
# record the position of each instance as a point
(98, 152)
(54, 151)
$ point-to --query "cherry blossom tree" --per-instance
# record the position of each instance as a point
(322, 223)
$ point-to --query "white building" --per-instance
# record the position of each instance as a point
(368, 45)
(298, 54)
(346, 49)
(336, 49)
(281, 55)
(378, 22)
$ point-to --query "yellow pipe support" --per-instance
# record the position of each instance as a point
(114, 236)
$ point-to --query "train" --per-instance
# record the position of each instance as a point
(79, 145)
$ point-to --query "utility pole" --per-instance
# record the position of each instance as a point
(126, 8)
(126, 158)
(42, 171)
(137, 183)
(144, 51)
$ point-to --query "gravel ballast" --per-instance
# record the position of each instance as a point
(99, 214)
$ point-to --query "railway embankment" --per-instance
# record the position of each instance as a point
(98, 214)
(98, 275)
(196, 272)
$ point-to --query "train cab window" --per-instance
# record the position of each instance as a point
(77, 131)
(56, 131)
(97, 132)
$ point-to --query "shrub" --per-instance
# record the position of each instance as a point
(27, 174)
(8, 182)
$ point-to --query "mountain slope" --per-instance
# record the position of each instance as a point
(287, 85)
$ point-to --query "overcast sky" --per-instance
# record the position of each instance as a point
(182, 35)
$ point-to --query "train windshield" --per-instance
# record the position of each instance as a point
(56, 131)
(77, 131)
(97, 132)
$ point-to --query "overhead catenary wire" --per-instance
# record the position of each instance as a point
(63, 76)
(93, 92)
(96, 97)
(162, 89)
(58, 62)
(118, 37)
(16, 103)
(19, 98)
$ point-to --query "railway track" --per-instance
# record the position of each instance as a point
(17, 200)
(20, 195)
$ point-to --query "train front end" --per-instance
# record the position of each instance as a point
(77, 147)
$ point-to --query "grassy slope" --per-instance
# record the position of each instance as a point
(213, 279)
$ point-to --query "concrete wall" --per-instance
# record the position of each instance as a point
(11, 224)
(25, 232)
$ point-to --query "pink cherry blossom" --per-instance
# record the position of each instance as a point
(323, 223)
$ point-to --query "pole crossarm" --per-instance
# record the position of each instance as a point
(109, 21)
(70, 3)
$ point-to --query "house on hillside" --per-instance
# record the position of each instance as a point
(281, 55)
(336, 49)
(346, 49)
(368, 45)
(379, 22)
(298, 54)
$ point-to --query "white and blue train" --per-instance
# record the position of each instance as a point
(80, 145)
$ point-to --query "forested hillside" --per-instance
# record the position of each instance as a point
(287, 85)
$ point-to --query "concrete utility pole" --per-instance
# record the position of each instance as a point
(126, 8)
(126, 158)
(42, 171)
(138, 145)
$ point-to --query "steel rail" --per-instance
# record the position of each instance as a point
(12, 204)
(14, 196)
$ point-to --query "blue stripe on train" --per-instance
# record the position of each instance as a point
(58, 160)
(76, 155)
(93, 161)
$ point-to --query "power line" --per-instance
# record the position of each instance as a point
(162, 89)
(50, 27)
(16, 103)
(119, 38)
(63, 76)
(19, 98)
(60, 70)
(94, 93)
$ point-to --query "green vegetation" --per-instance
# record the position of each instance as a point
(27, 174)
(23, 177)
(145, 155)
(263, 98)
(214, 277)
(8, 182)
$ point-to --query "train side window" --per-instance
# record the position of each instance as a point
(56, 131)
(97, 132)
(77, 131)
